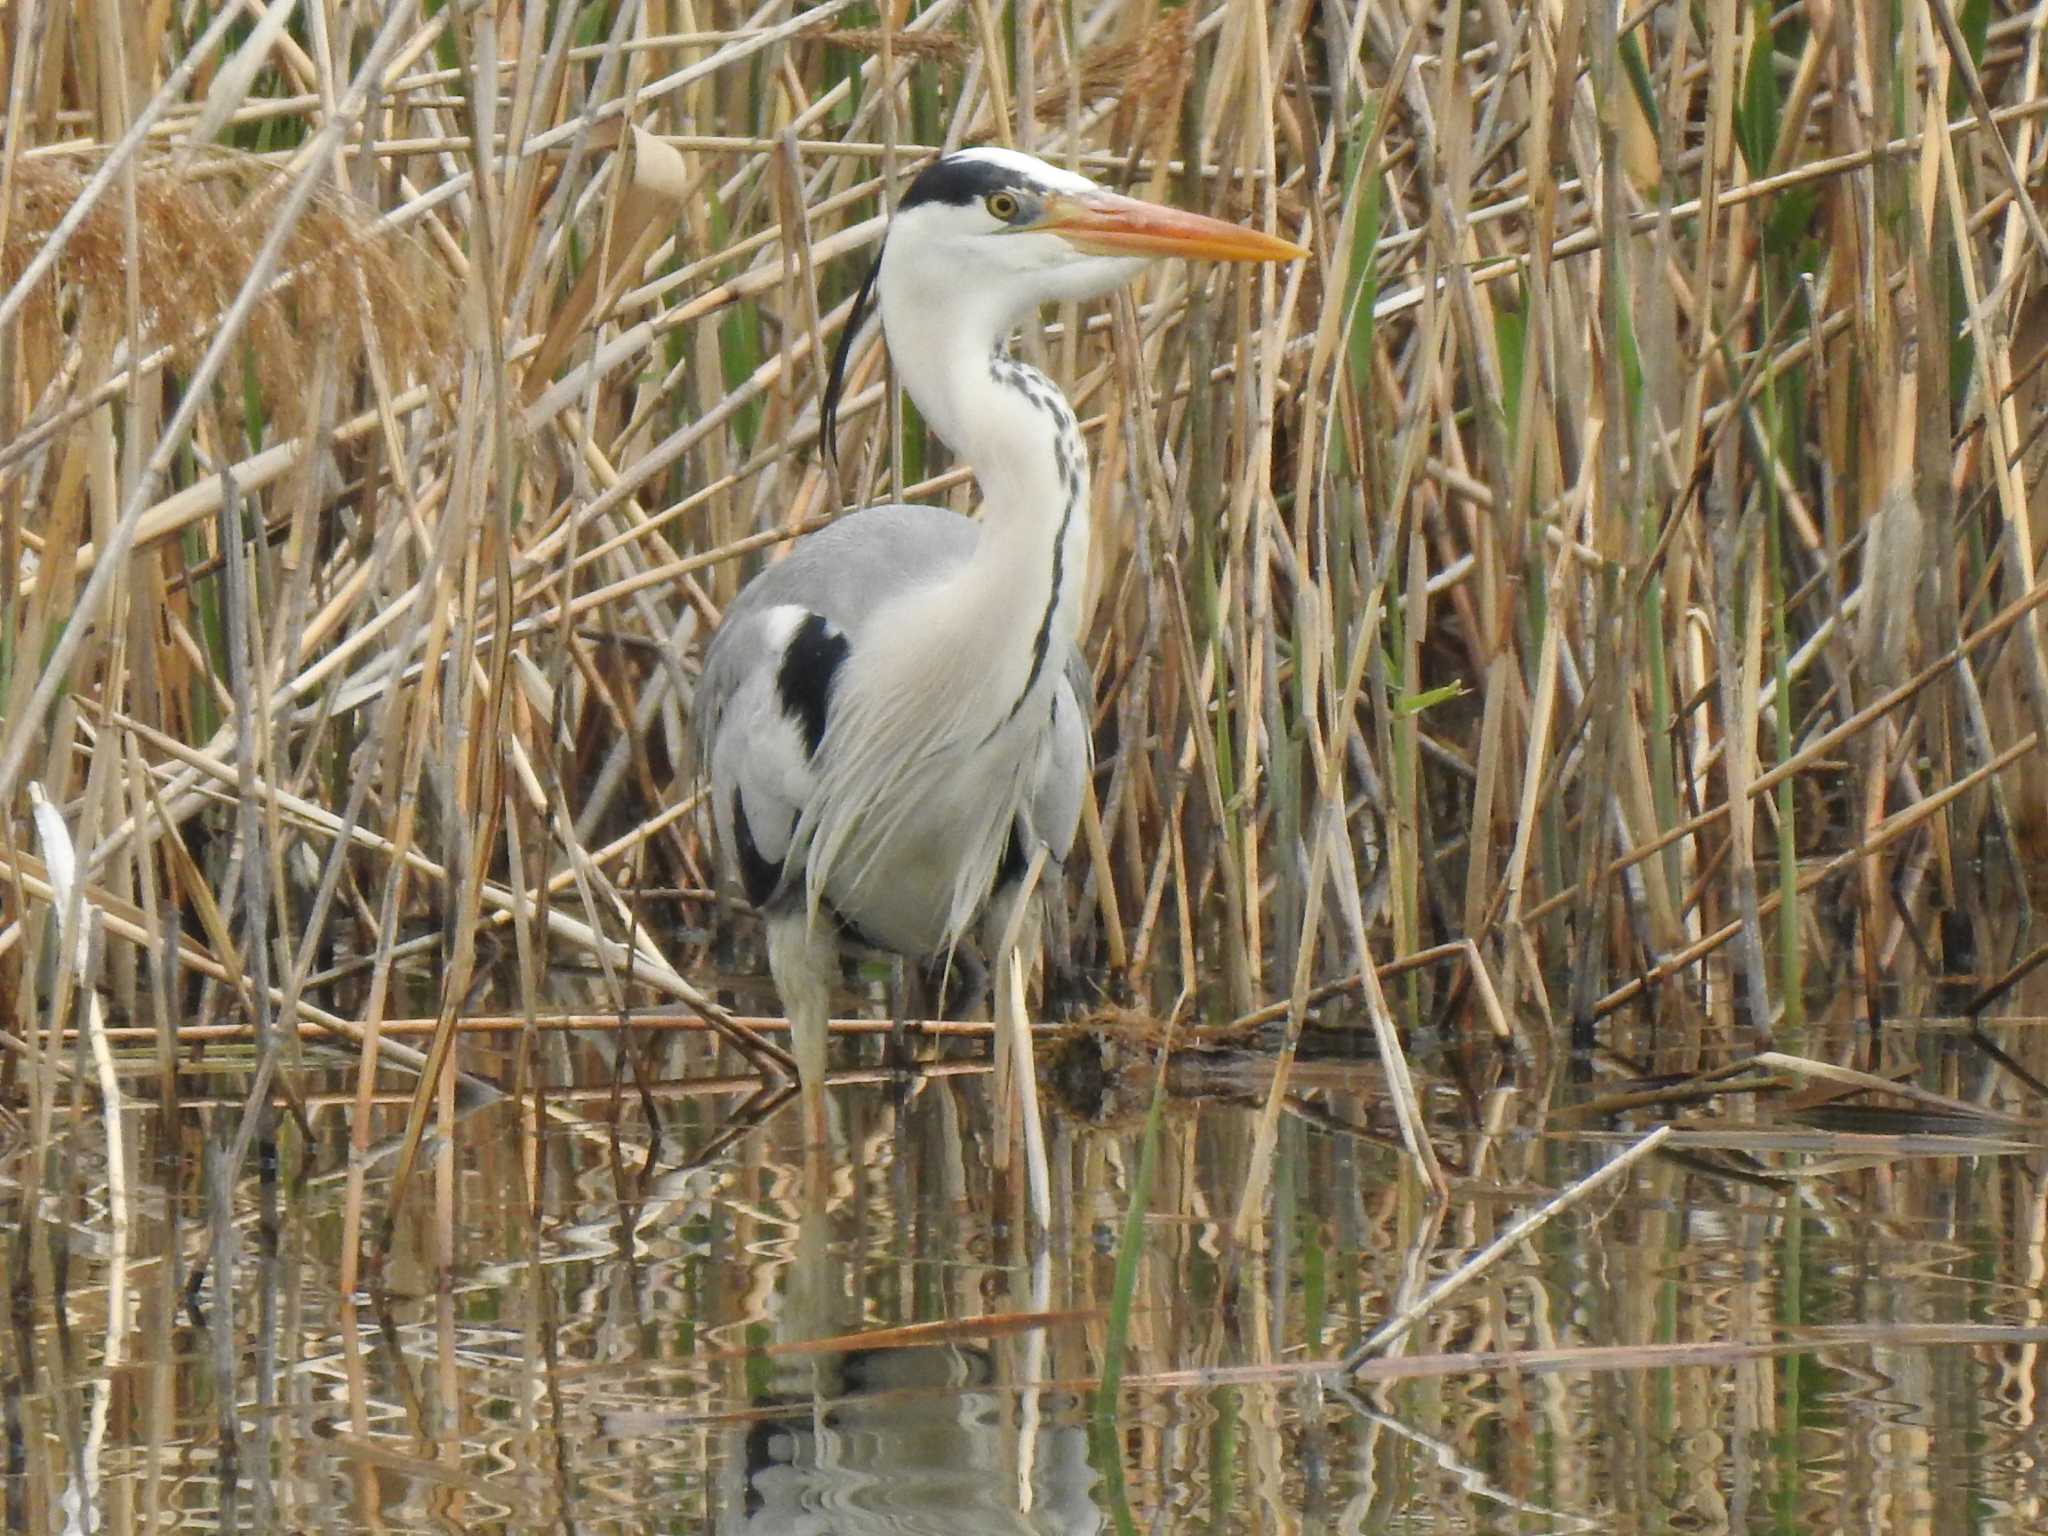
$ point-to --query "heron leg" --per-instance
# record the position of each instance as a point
(804, 964)
(959, 983)
(1066, 993)
(898, 1053)
(1030, 924)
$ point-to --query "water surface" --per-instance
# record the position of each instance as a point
(1778, 1324)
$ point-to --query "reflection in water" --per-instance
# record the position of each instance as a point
(574, 1332)
(900, 1439)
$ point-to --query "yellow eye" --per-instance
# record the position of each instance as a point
(1003, 205)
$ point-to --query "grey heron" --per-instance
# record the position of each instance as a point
(893, 714)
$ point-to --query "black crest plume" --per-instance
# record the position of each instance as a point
(835, 385)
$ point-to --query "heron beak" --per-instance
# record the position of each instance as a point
(1105, 224)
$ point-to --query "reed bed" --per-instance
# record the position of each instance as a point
(1609, 557)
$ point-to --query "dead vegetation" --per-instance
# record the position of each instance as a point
(1614, 547)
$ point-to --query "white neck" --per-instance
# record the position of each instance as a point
(1018, 600)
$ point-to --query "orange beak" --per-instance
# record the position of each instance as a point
(1106, 224)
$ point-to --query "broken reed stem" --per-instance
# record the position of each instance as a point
(658, 1021)
(1517, 1231)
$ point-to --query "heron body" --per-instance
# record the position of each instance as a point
(771, 696)
(892, 714)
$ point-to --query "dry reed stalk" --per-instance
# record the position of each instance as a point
(1587, 405)
(78, 932)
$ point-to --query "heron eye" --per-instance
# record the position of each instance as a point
(1003, 205)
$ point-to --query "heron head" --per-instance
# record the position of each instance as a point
(989, 234)
(1022, 233)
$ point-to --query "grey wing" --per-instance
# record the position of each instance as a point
(1070, 753)
(766, 688)
(756, 752)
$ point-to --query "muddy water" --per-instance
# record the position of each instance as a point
(1783, 1323)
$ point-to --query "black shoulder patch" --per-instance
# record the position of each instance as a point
(957, 180)
(803, 682)
(758, 874)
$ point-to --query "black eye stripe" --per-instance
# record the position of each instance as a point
(959, 180)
